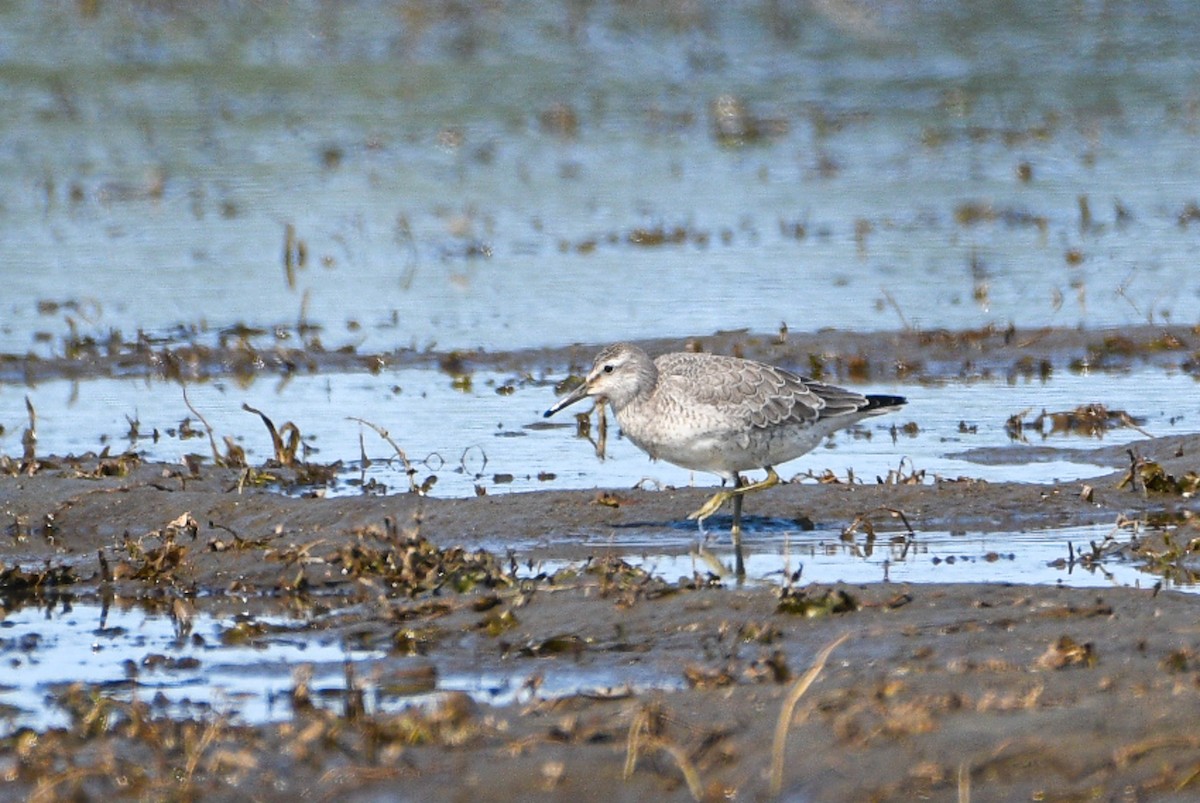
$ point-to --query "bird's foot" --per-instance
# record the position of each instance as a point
(721, 497)
(711, 506)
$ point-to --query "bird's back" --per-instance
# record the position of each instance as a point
(751, 394)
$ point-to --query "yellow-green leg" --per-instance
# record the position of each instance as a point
(721, 497)
(735, 495)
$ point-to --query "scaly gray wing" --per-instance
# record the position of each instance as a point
(754, 393)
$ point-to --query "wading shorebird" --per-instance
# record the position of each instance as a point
(723, 415)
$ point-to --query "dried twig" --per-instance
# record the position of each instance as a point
(864, 519)
(212, 441)
(409, 471)
(285, 453)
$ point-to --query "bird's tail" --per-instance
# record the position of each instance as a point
(879, 404)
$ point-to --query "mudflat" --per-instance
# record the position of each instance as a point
(775, 686)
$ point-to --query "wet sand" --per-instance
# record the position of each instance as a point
(992, 690)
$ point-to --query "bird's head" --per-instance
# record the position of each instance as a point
(620, 373)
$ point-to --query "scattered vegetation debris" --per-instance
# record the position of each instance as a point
(1029, 367)
(657, 235)
(770, 667)
(1170, 550)
(239, 543)
(16, 583)
(212, 441)
(857, 367)
(1147, 477)
(650, 236)
(703, 677)
(409, 471)
(906, 473)
(1179, 661)
(133, 749)
(295, 254)
(414, 641)
(284, 441)
(497, 622)
(626, 582)
(1093, 559)
(568, 384)
(29, 464)
(162, 562)
(408, 565)
(559, 644)
(184, 748)
(560, 119)
(866, 523)
(734, 125)
(967, 339)
(1088, 420)
(765, 632)
(1166, 545)
(105, 465)
(583, 428)
(811, 604)
(828, 477)
(245, 631)
(971, 213)
(1190, 213)
(1066, 652)
(19, 529)
(1116, 351)
(608, 499)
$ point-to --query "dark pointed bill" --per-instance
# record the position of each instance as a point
(578, 393)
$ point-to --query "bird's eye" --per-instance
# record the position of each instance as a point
(608, 369)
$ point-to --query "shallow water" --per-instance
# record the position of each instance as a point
(776, 552)
(134, 653)
(544, 174)
(540, 173)
(475, 438)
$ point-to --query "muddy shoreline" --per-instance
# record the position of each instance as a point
(905, 355)
(1004, 691)
(69, 510)
(1007, 690)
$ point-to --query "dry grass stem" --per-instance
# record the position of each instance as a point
(789, 706)
(642, 734)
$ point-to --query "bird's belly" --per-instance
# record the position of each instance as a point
(723, 452)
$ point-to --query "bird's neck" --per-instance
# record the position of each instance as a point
(641, 394)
